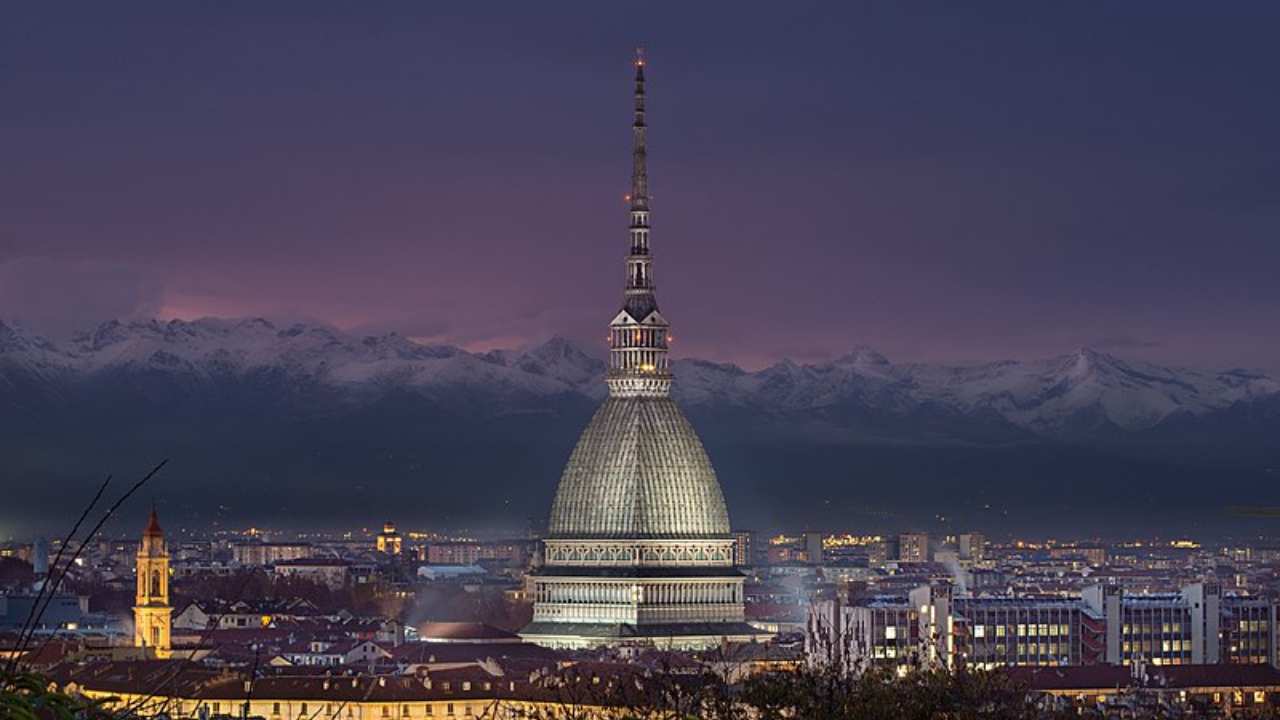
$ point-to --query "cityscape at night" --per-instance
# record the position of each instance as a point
(578, 361)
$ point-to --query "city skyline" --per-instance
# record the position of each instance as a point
(924, 366)
(950, 186)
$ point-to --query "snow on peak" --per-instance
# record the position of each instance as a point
(1044, 396)
(864, 356)
(24, 349)
(562, 359)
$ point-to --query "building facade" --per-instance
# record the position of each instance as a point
(745, 547)
(639, 549)
(913, 547)
(332, 572)
(389, 541)
(972, 547)
(513, 552)
(152, 613)
(1103, 626)
(270, 553)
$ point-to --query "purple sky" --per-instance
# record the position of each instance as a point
(941, 184)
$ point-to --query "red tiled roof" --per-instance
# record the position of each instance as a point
(153, 525)
(463, 631)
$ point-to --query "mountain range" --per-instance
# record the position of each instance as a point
(297, 415)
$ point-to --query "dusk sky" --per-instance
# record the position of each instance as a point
(940, 183)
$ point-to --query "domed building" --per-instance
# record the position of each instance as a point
(639, 549)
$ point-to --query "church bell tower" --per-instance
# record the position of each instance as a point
(152, 611)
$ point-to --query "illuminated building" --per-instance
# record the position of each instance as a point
(1249, 630)
(151, 610)
(513, 552)
(1104, 625)
(931, 624)
(1095, 555)
(155, 690)
(745, 545)
(1197, 625)
(1014, 631)
(639, 548)
(972, 547)
(269, 553)
(902, 631)
(913, 547)
(333, 572)
(389, 541)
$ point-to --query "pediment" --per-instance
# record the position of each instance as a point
(654, 318)
(624, 318)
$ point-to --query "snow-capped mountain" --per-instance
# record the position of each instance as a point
(264, 420)
(1086, 391)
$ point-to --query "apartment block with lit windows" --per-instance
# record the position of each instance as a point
(1249, 630)
(1197, 625)
(1012, 631)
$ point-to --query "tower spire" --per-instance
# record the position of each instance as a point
(638, 334)
(639, 166)
(151, 609)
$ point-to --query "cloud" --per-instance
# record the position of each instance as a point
(56, 296)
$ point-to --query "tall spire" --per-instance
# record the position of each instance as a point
(153, 523)
(639, 166)
(638, 334)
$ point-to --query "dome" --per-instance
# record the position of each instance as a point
(639, 471)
